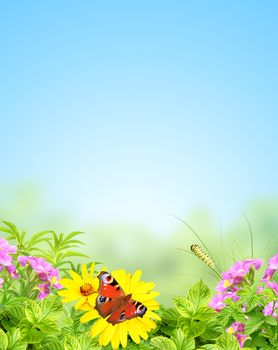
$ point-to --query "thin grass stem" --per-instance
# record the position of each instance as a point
(192, 230)
(251, 235)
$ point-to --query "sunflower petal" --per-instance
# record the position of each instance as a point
(144, 287)
(107, 335)
(133, 332)
(135, 279)
(68, 283)
(120, 276)
(77, 279)
(115, 340)
(85, 274)
(123, 330)
(146, 296)
(92, 299)
(91, 315)
(148, 322)
(92, 270)
(136, 327)
(141, 328)
(98, 327)
(81, 303)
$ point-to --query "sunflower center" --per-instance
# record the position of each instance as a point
(86, 289)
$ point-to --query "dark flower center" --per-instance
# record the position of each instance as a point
(86, 289)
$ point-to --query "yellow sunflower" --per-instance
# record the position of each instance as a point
(82, 288)
(136, 327)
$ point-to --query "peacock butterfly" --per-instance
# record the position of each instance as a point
(113, 302)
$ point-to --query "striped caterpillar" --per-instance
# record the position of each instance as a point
(197, 251)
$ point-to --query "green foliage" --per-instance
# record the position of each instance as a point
(28, 323)
(57, 247)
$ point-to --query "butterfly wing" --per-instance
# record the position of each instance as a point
(110, 294)
(127, 310)
(113, 301)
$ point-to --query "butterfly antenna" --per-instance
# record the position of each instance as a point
(251, 234)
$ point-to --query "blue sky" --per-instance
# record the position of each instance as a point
(130, 110)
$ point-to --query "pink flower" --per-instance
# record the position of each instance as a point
(45, 272)
(256, 263)
(41, 267)
(273, 262)
(238, 271)
(273, 285)
(217, 302)
(5, 251)
(44, 289)
(12, 271)
(232, 295)
(244, 308)
(270, 309)
(241, 338)
(236, 327)
(54, 279)
(225, 283)
(268, 274)
(22, 259)
(1, 282)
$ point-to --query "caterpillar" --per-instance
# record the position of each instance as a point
(197, 251)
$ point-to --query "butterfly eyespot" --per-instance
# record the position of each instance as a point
(107, 278)
(141, 309)
(122, 316)
(102, 299)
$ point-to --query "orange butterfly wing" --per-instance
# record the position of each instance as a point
(112, 301)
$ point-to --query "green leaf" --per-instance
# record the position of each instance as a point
(3, 340)
(71, 343)
(227, 342)
(199, 295)
(7, 324)
(170, 315)
(51, 307)
(88, 343)
(32, 311)
(54, 345)
(259, 341)
(209, 347)
(14, 340)
(15, 311)
(182, 342)
(184, 306)
(29, 333)
(69, 237)
(163, 343)
(213, 330)
(72, 253)
(192, 329)
(47, 326)
(12, 228)
(254, 322)
(271, 320)
(37, 238)
(205, 313)
(133, 346)
(250, 297)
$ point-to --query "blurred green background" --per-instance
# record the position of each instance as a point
(116, 114)
(163, 259)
